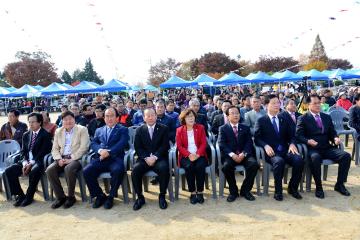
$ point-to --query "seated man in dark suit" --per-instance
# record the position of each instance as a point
(165, 120)
(272, 133)
(236, 147)
(354, 115)
(36, 144)
(220, 119)
(109, 145)
(316, 130)
(194, 104)
(151, 146)
(290, 114)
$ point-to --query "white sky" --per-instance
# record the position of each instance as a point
(137, 31)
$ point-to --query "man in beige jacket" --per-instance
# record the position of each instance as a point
(71, 142)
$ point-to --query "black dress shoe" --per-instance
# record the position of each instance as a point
(319, 193)
(232, 197)
(200, 198)
(99, 201)
(26, 202)
(162, 202)
(109, 203)
(278, 197)
(341, 189)
(139, 203)
(19, 199)
(70, 201)
(193, 199)
(248, 196)
(294, 193)
(58, 203)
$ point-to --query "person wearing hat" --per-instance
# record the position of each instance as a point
(343, 101)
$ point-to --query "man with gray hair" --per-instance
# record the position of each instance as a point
(194, 104)
(254, 114)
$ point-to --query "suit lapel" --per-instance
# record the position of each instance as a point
(30, 137)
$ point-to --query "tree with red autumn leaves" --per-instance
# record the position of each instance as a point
(31, 68)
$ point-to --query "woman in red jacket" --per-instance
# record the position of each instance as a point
(191, 145)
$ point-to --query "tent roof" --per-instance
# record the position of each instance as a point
(54, 88)
(231, 79)
(175, 81)
(287, 76)
(261, 77)
(23, 91)
(204, 79)
(113, 85)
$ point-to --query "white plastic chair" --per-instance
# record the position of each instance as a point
(7, 148)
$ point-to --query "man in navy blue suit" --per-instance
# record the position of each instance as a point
(109, 145)
(274, 134)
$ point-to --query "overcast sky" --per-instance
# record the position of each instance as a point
(122, 36)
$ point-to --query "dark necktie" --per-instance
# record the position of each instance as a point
(275, 125)
(33, 141)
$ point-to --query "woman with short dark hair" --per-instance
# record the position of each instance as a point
(191, 145)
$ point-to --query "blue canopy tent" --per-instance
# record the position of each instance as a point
(11, 89)
(342, 74)
(113, 85)
(38, 87)
(313, 75)
(67, 85)
(261, 77)
(327, 72)
(24, 91)
(84, 87)
(151, 88)
(231, 79)
(3, 92)
(175, 81)
(53, 89)
(135, 88)
(204, 80)
(287, 76)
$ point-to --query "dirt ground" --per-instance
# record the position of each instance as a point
(335, 217)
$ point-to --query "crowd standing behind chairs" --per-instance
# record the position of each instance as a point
(250, 129)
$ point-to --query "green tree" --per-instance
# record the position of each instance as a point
(89, 74)
(76, 75)
(66, 77)
(162, 71)
(318, 51)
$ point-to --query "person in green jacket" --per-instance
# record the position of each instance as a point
(324, 106)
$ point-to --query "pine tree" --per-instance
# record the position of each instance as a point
(65, 76)
(318, 51)
(88, 74)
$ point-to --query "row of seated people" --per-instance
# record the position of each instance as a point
(272, 132)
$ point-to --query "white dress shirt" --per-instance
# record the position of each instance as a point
(191, 142)
(31, 157)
